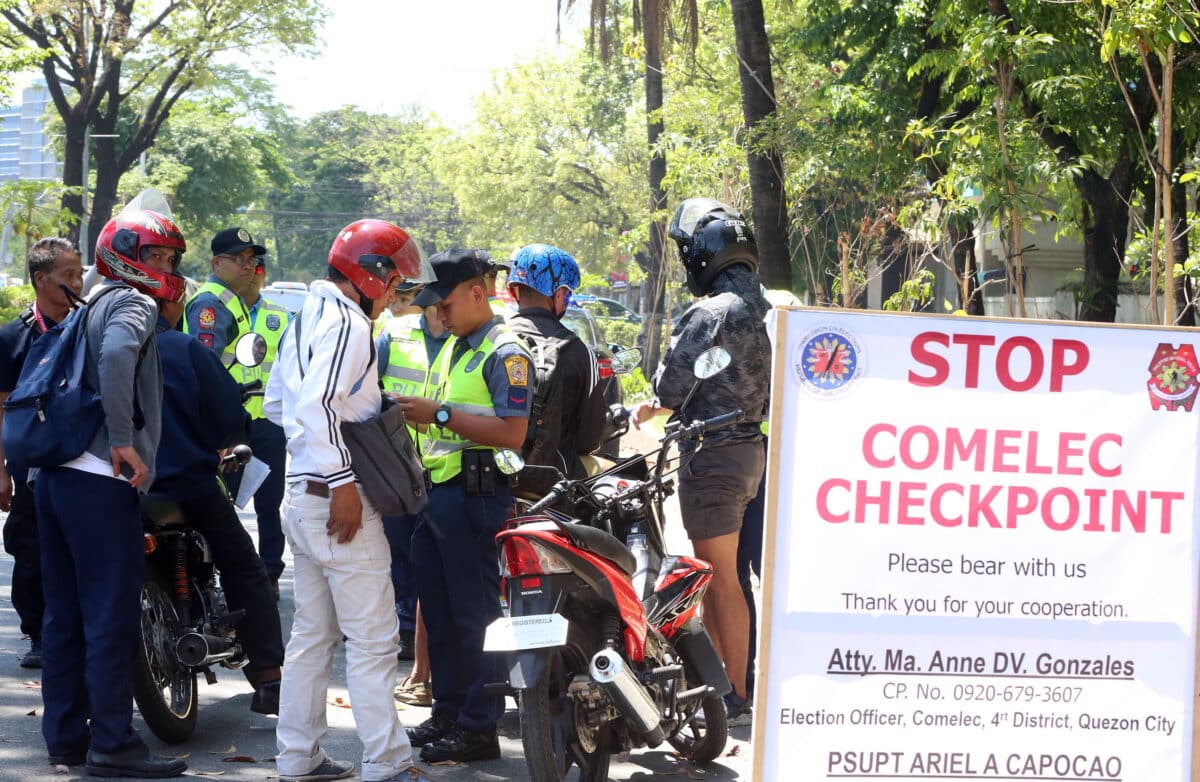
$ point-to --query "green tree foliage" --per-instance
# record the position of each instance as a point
(102, 59)
(554, 155)
(349, 164)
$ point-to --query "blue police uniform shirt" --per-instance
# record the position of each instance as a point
(202, 413)
(210, 321)
(511, 390)
(433, 346)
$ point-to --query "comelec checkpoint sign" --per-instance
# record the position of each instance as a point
(981, 554)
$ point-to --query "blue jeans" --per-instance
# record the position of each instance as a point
(399, 531)
(458, 580)
(92, 561)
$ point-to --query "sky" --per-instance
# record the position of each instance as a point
(383, 55)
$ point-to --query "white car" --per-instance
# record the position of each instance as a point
(289, 295)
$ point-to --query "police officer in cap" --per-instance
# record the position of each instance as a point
(480, 404)
(267, 319)
(217, 314)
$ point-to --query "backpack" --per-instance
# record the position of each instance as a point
(546, 410)
(52, 415)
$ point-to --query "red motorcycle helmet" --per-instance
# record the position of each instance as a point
(119, 252)
(374, 255)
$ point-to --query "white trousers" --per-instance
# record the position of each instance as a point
(339, 590)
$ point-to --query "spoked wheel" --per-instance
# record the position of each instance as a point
(554, 732)
(703, 738)
(163, 687)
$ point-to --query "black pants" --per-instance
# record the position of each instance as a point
(21, 541)
(270, 446)
(242, 575)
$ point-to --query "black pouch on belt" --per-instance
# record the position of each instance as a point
(479, 473)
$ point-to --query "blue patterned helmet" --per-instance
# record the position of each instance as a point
(544, 268)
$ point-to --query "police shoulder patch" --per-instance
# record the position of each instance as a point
(517, 368)
(273, 322)
(208, 317)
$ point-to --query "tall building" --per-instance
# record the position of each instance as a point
(24, 145)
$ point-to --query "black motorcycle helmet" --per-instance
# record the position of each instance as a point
(711, 237)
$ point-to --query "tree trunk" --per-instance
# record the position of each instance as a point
(1105, 227)
(1185, 292)
(766, 167)
(656, 277)
(962, 251)
(72, 197)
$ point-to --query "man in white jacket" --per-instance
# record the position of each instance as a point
(326, 374)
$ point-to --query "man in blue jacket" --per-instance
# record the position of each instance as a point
(203, 413)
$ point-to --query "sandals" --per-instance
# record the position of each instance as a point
(415, 693)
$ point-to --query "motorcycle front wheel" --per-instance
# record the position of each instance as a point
(554, 736)
(163, 687)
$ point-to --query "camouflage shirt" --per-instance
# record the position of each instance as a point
(732, 317)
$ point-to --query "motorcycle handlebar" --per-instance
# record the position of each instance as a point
(240, 454)
(555, 494)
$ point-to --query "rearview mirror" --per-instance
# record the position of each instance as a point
(711, 362)
(509, 462)
(250, 350)
(627, 360)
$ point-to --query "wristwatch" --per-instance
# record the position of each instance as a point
(442, 416)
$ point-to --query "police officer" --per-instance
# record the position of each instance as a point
(266, 438)
(541, 280)
(407, 349)
(217, 314)
(52, 264)
(481, 404)
(717, 482)
(202, 413)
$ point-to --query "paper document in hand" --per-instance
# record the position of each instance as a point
(253, 475)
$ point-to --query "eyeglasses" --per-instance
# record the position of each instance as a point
(239, 260)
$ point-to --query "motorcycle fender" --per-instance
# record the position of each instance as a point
(525, 668)
(696, 648)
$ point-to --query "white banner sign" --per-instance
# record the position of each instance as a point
(983, 561)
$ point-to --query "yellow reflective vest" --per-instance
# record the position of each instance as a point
(272, 319)
(236, 307)
(464, 388)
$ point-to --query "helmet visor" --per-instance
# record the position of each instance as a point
(412, 263)
(683, 224)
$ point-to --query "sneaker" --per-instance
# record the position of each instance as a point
(266, 698)
(329, 769)
(415, 693)
(738, 711)
(33, 658)
(430, 730)
(462, 746)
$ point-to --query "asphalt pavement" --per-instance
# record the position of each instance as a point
(233, 743)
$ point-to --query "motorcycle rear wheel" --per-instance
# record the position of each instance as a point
(549, 732)
(163, 687)
(702, 741)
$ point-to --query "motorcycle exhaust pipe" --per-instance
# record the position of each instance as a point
(627, 693)
(198, 650)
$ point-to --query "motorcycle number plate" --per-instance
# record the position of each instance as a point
(517, 633)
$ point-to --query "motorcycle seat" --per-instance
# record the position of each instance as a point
(160, 510)
(600, 542)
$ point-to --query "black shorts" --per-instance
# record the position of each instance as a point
(716, 485)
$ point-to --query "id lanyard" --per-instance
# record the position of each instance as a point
(37, 316)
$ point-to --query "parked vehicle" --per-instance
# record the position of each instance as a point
(607, 652)
(186, 625)
(289, 295)
(607, 308)
(582, 323)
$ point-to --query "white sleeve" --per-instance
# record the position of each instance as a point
(285, 365)
(340, 349)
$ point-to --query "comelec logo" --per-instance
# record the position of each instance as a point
(828, 361)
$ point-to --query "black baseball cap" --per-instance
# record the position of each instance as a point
(232, 241)
(452, 267)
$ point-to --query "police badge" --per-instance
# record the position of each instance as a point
(273, 322)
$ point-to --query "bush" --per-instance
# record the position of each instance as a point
(619, 332)
(635, 387)
(13, 300)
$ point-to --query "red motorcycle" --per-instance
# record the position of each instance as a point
(603, 657)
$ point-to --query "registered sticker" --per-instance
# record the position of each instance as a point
(516, 633)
